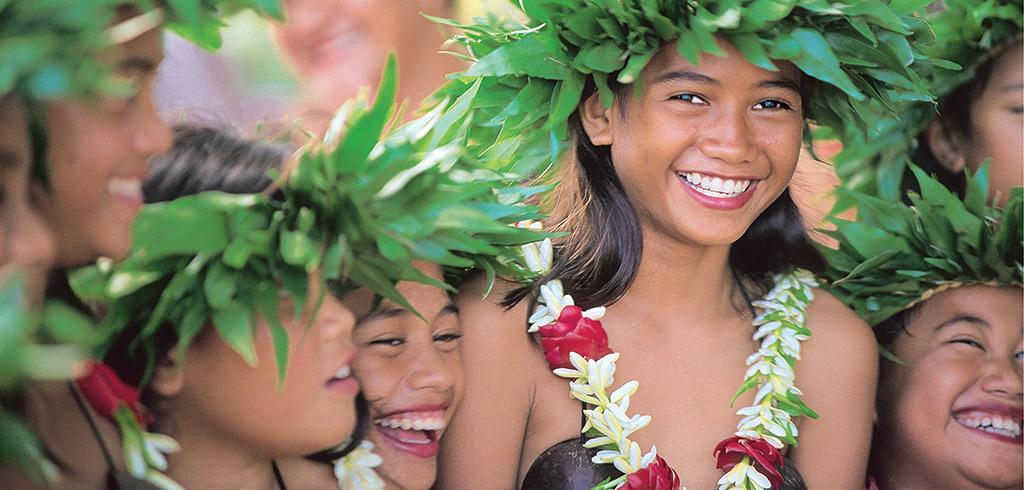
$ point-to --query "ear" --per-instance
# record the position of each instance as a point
(168, 376)
(595, 119)
(947, 145)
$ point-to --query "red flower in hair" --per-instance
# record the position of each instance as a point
(106, 393)
(766, 458)
(572, 332)
(657, 475)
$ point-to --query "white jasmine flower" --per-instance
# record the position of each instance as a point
(355, 471)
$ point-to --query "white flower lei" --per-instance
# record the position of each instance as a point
(355, 471)
(780, 328)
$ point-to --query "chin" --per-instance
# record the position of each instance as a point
(995, 473)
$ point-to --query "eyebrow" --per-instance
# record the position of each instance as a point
(686, 76)
(963, 318)
(386, 312)
(1012, 87)
(692, 76)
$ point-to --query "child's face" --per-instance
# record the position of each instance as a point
(953, 413)
(242, 406)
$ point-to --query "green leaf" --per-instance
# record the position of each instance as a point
(365, 131)
(604, 58)
(567, 97)
(234, 324)
(524, 57)
(219, 286)
(266, 305)
(815, 58)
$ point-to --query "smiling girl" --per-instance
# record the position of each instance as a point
(679, 261)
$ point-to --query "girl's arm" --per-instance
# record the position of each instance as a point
(838, 374)
(481, 447)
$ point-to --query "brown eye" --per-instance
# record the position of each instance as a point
(969, 342)
(773, 105)
(690, 98)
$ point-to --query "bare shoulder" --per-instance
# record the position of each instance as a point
(486, 322)
(838, 330)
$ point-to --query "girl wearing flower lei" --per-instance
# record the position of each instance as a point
(680, 238)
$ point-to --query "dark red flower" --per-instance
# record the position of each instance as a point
(655, 476)
(573, 333)
(105, 391)
(766, 458)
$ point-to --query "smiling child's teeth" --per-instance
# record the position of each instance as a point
(716, 186)
(343, 373)
(412, 424)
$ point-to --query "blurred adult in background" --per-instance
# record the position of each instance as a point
(335, 47)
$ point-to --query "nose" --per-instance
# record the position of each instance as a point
(430, 371)
(729, 138)
(303, 18)
(151, 136)
(1003, 377)
(335, 323)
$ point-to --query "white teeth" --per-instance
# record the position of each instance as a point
(716, 186)
(124, 187)
(992, 423)
(343, 373)
(411, 424)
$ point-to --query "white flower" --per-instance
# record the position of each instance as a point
(355, 470)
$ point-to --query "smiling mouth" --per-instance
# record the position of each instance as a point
(991, 423)
(127, 189)
(414, 432)
(715, 187)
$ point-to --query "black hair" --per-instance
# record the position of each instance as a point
(206, 158)
(600, 257)
(888, 330)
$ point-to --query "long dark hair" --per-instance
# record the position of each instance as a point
(599, 258)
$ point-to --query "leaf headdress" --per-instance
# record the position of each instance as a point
(898, 255)
(359, 207)
(533, 74)
(968, 33)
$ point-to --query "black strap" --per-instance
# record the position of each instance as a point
(92, 425)
(277, 475)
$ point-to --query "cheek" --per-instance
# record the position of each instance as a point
(379, 377)
(996, 135)
(927, 391)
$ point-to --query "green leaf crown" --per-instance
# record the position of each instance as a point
(896, 255)
(968, 33)
(532, 75)
(359, 207)
(200, 21)
(49, 48)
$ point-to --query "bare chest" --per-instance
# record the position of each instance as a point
(686, 385)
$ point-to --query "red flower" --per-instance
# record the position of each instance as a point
(655, 476)
(573, 333)
(106, 392)
(767, 459)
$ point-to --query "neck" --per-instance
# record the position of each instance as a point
(209, 460)
(425, 77)
(677, 279)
